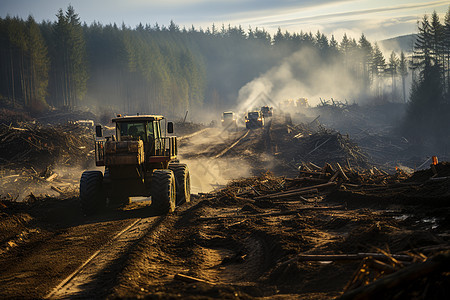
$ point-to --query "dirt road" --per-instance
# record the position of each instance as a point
(231, 243)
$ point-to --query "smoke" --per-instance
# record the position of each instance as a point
(208, 174)
(305, 74)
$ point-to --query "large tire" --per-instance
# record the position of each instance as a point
(163, 191)
(92, 195)
(183, 181)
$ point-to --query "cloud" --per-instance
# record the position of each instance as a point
(374, 28)
(359, 13)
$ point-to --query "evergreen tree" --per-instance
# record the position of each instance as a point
(366, 51)
(437, 40)
(392, 69)
(403, 70)
(38, 66)
(70, 61)
(344, 47)
(428, 114)
(378, 68)
(446, 52)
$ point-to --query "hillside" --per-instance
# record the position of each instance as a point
(400, 43)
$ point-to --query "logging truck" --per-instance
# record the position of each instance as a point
(138, 161)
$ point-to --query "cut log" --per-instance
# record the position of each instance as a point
(294, 192)
(279, 213)
(342, 172)
(190, 279)
(346, 257)
(403, 277)
(57, 189)
(53, 176)
(288, 195)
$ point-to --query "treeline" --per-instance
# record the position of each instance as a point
(169, 70)
(428, 115)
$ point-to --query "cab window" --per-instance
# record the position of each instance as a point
(150, 131)
(131, 131)
(157, 130)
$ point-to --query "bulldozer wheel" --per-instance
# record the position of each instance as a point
(92, 196)
(183, 180)
(163, 191)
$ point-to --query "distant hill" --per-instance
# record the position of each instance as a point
(400, 43)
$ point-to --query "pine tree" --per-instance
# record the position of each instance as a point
(446, 51)
(403, 70)
(18, 48)
(344, 48)
(366, 51)
(378, 68)
(392, 69)
(423, 59)
(426, 110)
(70, 61)
(437, 40)
(38, 66)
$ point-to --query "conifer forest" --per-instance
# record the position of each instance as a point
(151, 68)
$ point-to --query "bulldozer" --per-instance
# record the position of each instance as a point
(138, 161)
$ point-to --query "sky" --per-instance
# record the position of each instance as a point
(377, 19)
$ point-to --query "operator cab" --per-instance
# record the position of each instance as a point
(132, 128)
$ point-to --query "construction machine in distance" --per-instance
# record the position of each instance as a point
(229, 121)
(254, 119)
(138, 161)
(267, 111)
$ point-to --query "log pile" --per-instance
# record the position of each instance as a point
(40, 146)
(311, 143)
(427, 278)
(343, 182)
(409, 274)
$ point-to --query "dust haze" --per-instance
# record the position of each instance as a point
(304, 74)
(209, 172)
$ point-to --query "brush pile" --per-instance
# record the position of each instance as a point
(418, 265)
(346, 184)
(311, 143)
(39, 146)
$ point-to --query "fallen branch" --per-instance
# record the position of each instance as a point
(280, 213)
(53, 176)
(234, 144)
(342, 172)
(295, 192)
(405, 276)
(343, 257)
(190, 279)
(319, 146)
(57, 189)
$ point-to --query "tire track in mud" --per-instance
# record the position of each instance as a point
(192, 134)
(209, 143)
(96, 276)
(223, 152)
(223, 252)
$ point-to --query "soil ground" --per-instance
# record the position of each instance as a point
(234, 244)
